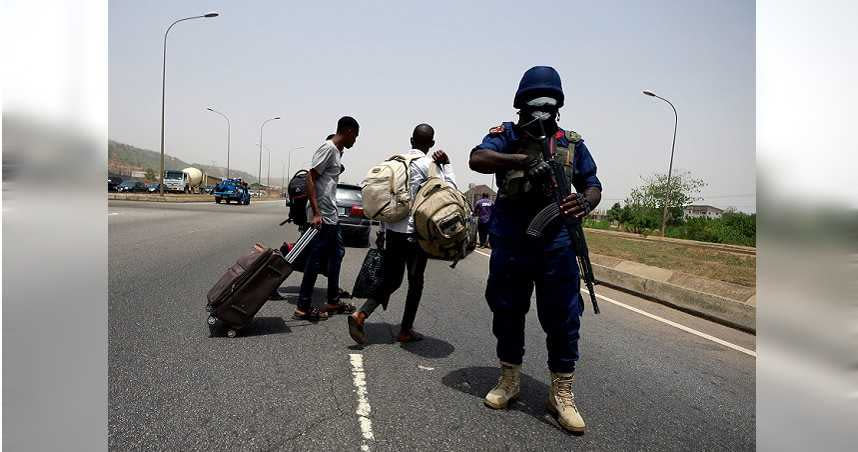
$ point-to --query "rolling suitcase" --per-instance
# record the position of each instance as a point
(245, 287)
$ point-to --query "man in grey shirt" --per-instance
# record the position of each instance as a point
(322, 194)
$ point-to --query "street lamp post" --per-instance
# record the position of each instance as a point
(289, 171)
(260, 146)
(164, 85)
(227, 137)
(669, 168)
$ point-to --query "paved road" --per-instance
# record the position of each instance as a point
(641, 383)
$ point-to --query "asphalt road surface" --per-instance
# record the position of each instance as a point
(642, 383)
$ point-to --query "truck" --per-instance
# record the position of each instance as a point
(188, 180)
(232, 190)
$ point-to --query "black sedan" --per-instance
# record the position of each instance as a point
(113, 183)
(355, 226)
(131, 186)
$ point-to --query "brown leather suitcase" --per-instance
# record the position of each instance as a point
(246, 285)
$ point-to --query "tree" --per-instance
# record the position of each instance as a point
(150, 174)
(614, 213)
(647, 200)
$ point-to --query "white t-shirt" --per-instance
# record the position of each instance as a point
(326, 162)
(418, 174)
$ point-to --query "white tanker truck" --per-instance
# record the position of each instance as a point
(188, 180)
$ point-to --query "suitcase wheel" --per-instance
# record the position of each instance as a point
(231, 333)
(212, 320)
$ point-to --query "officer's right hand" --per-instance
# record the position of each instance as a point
(316, 222)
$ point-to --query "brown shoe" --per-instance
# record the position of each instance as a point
(408, 335)
(313, 315)
(339, 308)
(356, 330)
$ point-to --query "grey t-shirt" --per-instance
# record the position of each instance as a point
(326, 162)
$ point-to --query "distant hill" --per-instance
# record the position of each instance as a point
(123, 158)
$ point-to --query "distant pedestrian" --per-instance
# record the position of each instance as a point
(322, 182)
(401, 250)
(483, 211)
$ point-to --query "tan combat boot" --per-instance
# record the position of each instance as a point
(561, 402)
(507, 387)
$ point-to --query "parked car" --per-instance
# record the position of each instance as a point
(355, 226)
(231, 190)
(153, 187)
(129, 186)
(113, 183)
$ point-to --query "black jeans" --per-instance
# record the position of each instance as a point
(483, 229)
(401, 251)
(325, 247)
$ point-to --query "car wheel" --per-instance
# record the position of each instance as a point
(217, 200)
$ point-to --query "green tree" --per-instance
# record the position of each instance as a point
(615, 213)
(646, 201)
(150, 174)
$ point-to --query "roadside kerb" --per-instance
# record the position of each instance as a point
(730, 304)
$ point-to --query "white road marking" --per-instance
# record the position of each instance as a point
(668, 322)
(363, 409)
(679, 326)
(425, 368)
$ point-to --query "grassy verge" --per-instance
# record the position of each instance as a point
(708, 263)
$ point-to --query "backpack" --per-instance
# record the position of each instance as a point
(297, 191)
(441, 213)
(385, 191)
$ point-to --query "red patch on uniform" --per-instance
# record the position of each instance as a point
(560, 134)
(496, 130)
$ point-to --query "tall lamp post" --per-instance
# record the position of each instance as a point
(260, 145)
(289, 171)
(669, 168)
(227, 137)
(164, 85)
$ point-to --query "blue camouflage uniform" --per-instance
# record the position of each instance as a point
(518, 264)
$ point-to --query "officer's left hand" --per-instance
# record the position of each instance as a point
(575, 205)
(440, 157)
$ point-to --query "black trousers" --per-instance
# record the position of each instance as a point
(483, 230)
(401, 253)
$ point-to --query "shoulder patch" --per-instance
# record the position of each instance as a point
(496, 130)
(573, 136)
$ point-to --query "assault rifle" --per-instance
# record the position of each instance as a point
(557, 188)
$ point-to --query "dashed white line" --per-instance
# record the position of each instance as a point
(669, 322)
(363, 410)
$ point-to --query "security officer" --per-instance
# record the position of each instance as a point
(514, 153)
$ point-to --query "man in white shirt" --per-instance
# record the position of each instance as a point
(401, 250)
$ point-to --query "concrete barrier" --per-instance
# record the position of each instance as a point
(719, 301)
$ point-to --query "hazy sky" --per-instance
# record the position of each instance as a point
(455, 65)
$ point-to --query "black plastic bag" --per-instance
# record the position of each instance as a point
(370, 280)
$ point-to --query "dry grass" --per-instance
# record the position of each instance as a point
(708, 263)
